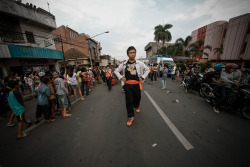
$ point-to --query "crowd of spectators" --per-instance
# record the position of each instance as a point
(52, 90)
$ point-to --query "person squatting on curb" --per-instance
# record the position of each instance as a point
(134, 72)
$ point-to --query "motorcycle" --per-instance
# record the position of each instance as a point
(237, 99)
(196, 84)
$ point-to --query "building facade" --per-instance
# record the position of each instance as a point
(232, 36)
(26, 40)
(105, 60)
(152, 47)
(67, 39)
(237, 40)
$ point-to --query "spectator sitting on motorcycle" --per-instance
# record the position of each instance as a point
(237, 75)
(186, 73)
(227, 75)
(218, 86)
(194, 72)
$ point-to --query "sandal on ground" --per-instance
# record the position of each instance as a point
(66, 115)
(11, 124)
(137, 110)
(24, 135)
(82, 98)
(50, 120)
(29, 123)
(130, 121)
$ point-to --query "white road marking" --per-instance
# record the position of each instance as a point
(177, 133)
(33, 127)
(41, 122)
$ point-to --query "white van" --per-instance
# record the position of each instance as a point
(163, 59)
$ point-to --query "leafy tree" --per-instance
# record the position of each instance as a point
(218, 52)
(162, 50)
(184, 44)
(174, 50)
(162, 33)
(197, 48)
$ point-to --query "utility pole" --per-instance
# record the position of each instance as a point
(48, 5)
(62, 48)
(90, 58)
(90, 38)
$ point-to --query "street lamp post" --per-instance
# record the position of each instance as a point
(91, 64)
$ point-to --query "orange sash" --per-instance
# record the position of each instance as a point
(132, 82)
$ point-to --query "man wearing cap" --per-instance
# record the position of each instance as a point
(134, 72)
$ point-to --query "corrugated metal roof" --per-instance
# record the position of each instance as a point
(32, 52)
(4, 51)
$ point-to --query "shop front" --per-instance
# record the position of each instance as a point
(24, 60)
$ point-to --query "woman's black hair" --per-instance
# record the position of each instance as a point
(83, 69)
(70, 73)
(45, 80)
(12, 83)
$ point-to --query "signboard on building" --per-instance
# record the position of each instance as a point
(41, 68)
(27, 69)
(48, 42)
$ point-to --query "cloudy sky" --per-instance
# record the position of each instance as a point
(132, 22)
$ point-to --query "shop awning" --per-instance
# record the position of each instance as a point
(33, 52)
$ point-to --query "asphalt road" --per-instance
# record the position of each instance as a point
(96, 134)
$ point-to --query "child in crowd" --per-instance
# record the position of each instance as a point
(52, 98)
(155, 68)
(173, 74)
(31, 84)
(61, 92)
(43, 107)
(177, 72)
(17, 106)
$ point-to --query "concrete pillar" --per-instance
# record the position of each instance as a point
(4, 69)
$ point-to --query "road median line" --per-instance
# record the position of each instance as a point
(177, 133)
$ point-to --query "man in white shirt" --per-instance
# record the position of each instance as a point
(134, 72)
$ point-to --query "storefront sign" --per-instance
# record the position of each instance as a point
(41, 68)
(33, 62)
(48, 42)
(27, 69)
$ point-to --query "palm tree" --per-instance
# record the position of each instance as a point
(184, 44)
(197, 48)
(174, 50)
(162, 50)
(162, 34)
(218, 52)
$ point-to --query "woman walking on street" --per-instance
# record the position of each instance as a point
(164, 76)
(109, 77)
(72, 80)
(155, 68)
(103, 75)
(85, 79)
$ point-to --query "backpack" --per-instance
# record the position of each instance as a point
(207, 77)
(84, 77)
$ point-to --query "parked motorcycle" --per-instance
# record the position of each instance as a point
(196, 84)
(237, 99)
